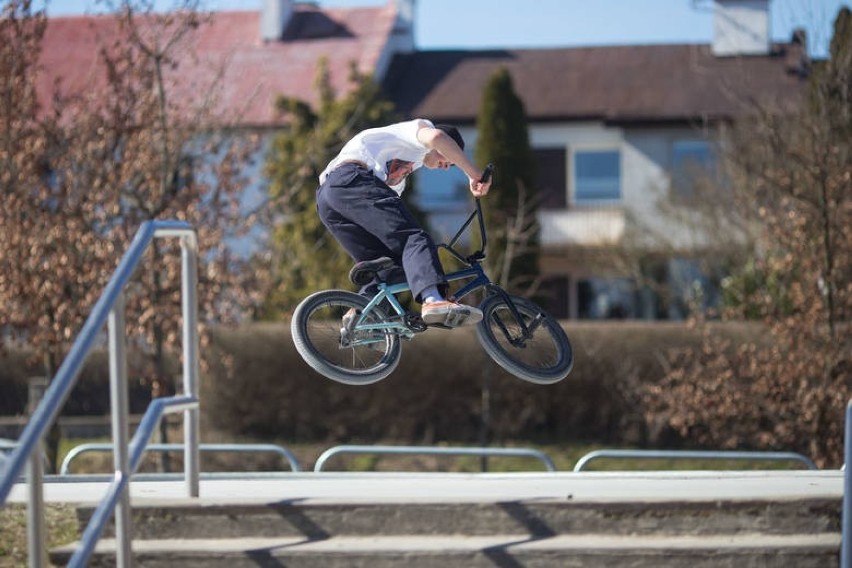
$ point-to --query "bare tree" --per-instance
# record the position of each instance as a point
(101, 162)
(790, 174)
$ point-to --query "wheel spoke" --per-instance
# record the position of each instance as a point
(360, 354)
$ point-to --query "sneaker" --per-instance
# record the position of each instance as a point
(450, 314)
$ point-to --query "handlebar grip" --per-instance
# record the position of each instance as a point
(486, 174)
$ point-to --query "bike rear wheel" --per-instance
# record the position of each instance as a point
(543, 358)
(359, 357)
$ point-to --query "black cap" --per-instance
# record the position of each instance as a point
(453, 133)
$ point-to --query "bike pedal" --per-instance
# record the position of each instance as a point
(415, 323)
(456, 319)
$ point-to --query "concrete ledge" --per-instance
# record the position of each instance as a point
(443, 487)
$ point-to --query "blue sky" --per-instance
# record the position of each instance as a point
(474, 24)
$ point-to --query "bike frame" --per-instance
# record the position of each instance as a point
(473, 272)
(389, 291)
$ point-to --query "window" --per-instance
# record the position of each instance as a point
(606, 298)
(439, 190)
(444, 197)
(550, 177)
(554, 294)
(691, 160)
(693, 285)
(597, 176)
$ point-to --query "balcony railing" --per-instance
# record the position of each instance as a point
(582, 226)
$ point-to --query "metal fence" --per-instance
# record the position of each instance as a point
(283, 452)
(596, 455)
(435, 451)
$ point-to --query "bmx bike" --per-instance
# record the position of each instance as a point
(356, 340)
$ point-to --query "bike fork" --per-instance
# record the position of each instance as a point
(527, 331)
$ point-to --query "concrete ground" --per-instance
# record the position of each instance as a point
(413, 487)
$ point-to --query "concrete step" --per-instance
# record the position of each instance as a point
(509, 550)
(536, 518)
(652, 519)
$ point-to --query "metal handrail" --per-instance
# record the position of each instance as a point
(109, 309)
(102, 513)
(434, 450)
(690, 454)
(81, 449)
(845, 544)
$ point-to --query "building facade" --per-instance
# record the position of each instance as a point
(618, 132)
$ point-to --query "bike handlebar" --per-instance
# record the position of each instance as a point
(479, 254)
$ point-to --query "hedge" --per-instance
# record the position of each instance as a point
(90, 396)
(257, 385)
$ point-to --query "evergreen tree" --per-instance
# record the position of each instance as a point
(306, 256)
(510, 205)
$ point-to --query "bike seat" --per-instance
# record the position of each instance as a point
(366, 271)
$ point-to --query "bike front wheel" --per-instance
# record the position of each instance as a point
(543, 355)
(360, 356)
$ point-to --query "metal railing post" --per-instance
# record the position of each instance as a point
(119, 404)
(110, 309)
(36, 541)
(845, 552)
(35, 511)
(189, 306)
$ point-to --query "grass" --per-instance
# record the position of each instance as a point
(60, 522)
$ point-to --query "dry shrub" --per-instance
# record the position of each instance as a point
(90, 395)
(257, 385)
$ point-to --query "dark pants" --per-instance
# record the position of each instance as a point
(370, 220)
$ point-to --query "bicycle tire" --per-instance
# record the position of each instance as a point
(544, 359)
(317, 334)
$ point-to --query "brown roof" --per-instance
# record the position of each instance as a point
(651, 83)
(255, 72)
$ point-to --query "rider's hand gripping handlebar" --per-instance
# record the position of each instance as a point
(486, 177)
(486, 173)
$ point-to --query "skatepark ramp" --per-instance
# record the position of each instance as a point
(659, 519)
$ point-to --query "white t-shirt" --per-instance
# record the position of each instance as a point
(392, 152)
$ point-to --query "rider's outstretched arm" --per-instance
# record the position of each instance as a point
(437, 139)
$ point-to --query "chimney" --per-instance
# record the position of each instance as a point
(741, 27)
(273, 19)
(404, 27)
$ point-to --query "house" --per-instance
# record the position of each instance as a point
(253, 56)
(611, 128)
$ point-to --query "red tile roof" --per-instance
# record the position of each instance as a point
(650, 83)
(255, 72)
